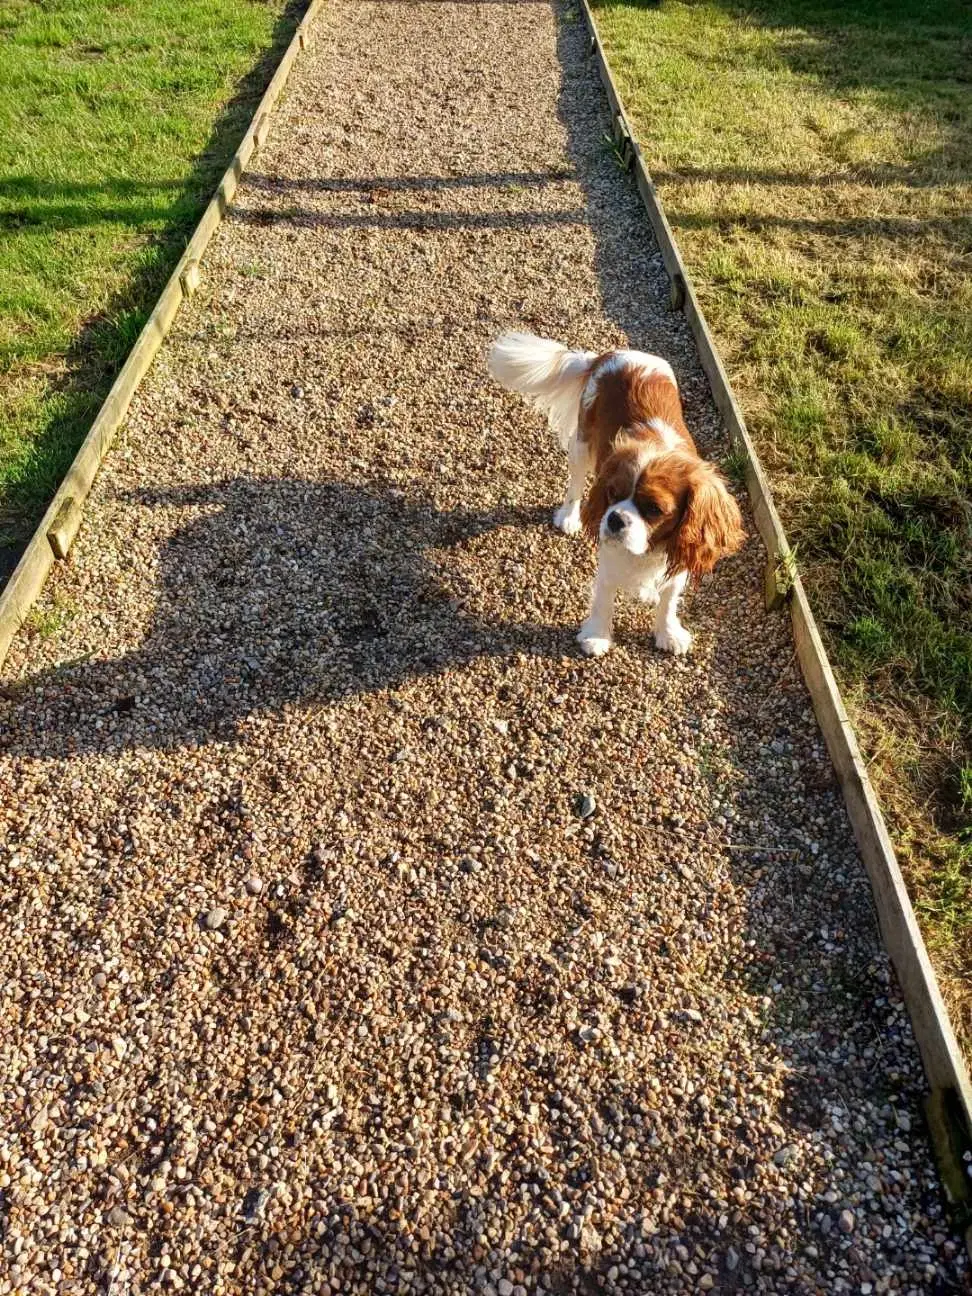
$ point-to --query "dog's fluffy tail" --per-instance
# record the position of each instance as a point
(546, 373)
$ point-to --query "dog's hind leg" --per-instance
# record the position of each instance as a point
(567, 518)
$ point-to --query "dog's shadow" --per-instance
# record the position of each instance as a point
(289, 592)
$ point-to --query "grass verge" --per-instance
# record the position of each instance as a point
(116, 121)
(815, 161)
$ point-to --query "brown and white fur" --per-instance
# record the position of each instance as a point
(659, 513)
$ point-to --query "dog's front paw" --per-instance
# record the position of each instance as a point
(673, 638)
(568, 519)
(648, 594)
(591, 643)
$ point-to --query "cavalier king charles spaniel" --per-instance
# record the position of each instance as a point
(658, 513)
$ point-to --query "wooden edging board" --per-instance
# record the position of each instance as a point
(58, 527)
(949, 1109)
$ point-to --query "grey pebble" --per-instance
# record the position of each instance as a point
(586, 805)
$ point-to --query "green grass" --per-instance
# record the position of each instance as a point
(815, 160)
(116, 121)
(49, 621)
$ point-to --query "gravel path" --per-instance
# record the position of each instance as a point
(318, 974)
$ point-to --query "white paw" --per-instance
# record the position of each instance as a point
(568, 519)
(674, 639)
(591, 643)
(648, 594)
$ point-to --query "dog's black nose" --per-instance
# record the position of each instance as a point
(616, 522)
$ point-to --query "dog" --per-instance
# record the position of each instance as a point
(659, 513)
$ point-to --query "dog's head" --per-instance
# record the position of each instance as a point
(673, 501)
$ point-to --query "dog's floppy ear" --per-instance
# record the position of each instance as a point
(711, 526)
(596, 504)
(617, 478)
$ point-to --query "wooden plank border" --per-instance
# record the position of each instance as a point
(950, 1107)
(58, 527)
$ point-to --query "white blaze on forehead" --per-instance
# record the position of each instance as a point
(618, 362)
(669, 438)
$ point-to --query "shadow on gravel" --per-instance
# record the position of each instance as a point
(424, 222)
(282, 592)
(371, 186)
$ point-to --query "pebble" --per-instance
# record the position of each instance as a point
(255, 1203)
(215, 918)
(846, 1221)
(254, 884)
(586, 805)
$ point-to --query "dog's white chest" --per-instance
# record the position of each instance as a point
(640, 575)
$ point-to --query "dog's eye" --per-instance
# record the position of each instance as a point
(649, 510)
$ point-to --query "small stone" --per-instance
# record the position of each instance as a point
(903, 1121)
(732, 1259)
(846, 1221)
(255, 1203)
(504, 1287)
(120, 1046)
(119, 1218)
(215, 918)
(784, 1155)
(469, 865)
(706, 1282)
(254, 884)
(585, 805)
(100, 980)
(590, 1239)
(501, 726)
